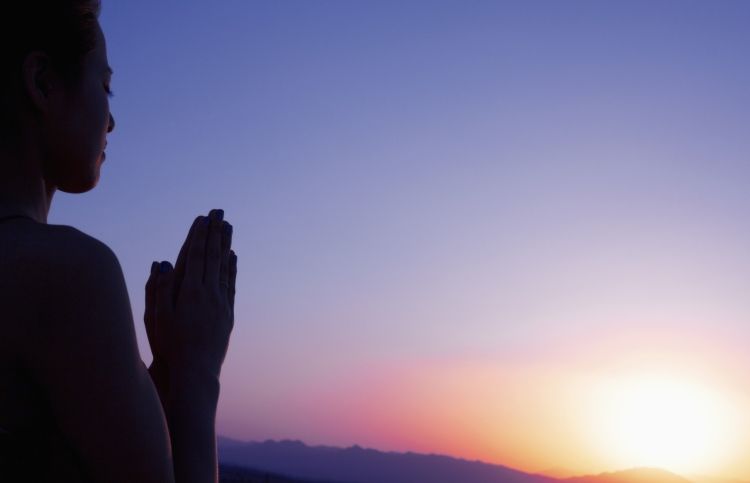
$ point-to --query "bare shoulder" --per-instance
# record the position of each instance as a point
(68, 275)
(57, 248)
(79, 347)
(45, 270)
(34, 248)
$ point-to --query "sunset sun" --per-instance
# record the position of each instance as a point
(667, 423)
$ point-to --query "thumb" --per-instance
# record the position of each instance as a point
(149, 315)
(164, 293)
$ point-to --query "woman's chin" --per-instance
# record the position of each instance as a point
(80, 185)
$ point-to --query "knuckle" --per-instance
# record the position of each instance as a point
(191, 289)
(215, 296)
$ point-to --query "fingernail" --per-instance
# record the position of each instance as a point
(154, 266)
(164, 267)
(219, 214)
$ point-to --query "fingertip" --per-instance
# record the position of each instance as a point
(226, 240)
(165, 267)
(194, 227)
(154, 267)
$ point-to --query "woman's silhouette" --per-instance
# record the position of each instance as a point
(76, 401)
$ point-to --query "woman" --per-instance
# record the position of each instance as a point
(76, 401)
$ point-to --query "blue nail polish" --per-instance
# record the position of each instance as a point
(164, 267)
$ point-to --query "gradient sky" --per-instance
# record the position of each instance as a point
(457, 221)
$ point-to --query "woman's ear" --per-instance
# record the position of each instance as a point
(38, 79)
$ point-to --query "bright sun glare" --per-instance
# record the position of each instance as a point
(667, 423)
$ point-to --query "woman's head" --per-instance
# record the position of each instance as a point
(56, 96)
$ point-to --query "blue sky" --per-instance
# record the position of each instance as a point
(413, 182)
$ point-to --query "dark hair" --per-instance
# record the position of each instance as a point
(64, 29)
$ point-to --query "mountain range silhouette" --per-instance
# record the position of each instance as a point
(295, 462)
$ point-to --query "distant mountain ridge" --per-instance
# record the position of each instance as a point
(635, 475)
(300, 462)
(358, 465)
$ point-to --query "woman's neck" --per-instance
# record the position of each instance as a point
(23, 190)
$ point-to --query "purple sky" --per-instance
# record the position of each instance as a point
(425, 185)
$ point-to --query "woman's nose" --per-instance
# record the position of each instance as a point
(111, 126)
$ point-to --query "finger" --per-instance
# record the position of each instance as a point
(213, 248)
(196, 252)
(164, 295)
(226, 244)
(232, 277)
(149, 313)
(179, 266)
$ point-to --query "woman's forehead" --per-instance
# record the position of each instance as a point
(99, 53)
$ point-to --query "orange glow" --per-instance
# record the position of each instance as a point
(589, 415)
(666, 422)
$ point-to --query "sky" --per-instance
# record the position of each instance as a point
(510, 231)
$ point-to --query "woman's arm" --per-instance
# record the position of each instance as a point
(84, 356)
(83, 353)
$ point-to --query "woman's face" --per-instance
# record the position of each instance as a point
(79, 123)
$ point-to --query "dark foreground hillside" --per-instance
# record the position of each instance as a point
(238, 474)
